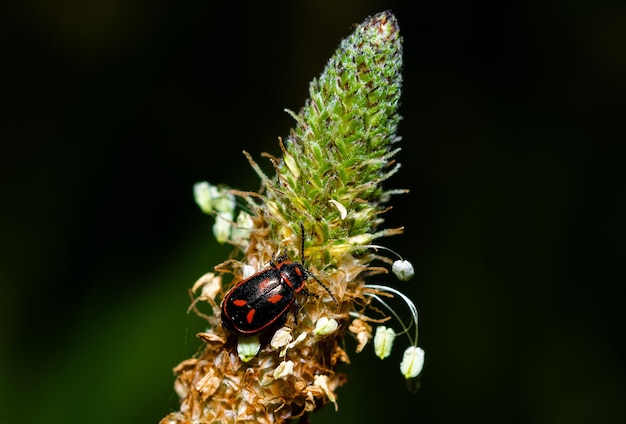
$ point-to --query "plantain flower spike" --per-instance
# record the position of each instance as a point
(327, 196)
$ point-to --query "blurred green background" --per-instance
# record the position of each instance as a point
(112, 109)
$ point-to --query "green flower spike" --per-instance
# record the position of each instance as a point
(327, 190)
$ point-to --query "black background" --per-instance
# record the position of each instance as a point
(112, 109)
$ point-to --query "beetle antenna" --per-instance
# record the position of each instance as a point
(325, 287)
(302, 241)
(309, 272)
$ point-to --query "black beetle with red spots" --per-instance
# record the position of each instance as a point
(263, 300)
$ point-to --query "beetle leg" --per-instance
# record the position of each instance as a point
(296, 309)
(308, 293)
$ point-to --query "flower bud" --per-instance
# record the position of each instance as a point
(283, 369)
(412, 362)
(248, 347)
(325, 326)
(403, 270)
(383, 341)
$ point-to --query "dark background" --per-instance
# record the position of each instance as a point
(112, 109)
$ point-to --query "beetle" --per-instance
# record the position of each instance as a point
(264, 299)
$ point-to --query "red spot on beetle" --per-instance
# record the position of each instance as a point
(250, 316)
(239, 302)
(275, 299)
(263, 285)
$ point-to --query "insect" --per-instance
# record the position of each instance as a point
(264, 299)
